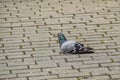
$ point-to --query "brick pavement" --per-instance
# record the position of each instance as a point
(29, 48)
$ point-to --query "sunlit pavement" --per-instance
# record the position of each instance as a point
(29, 48)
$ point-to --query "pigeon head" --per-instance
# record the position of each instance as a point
(61, 38)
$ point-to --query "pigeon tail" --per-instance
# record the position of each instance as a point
(61, 38)
(85, 50)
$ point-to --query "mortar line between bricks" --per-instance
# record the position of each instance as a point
(29, 45)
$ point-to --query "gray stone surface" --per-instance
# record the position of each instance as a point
(29, 48)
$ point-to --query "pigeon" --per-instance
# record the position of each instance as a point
(72, 47)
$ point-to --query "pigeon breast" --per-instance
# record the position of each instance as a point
(68, 46)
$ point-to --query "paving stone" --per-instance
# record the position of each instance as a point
(110, 64)
(86, 66)
(44, 64)
(21, 63)
(65, 71)
(92, 55)
(8, 68)
(2, 57)
(65, 56)
(51, 21)
(79, 59)
(43, 77)
(116, 60)
(97, 78)
(70, 63)
(65, 20)
(97, 61)
(29, 48)
(18, 50)
(17, 79)
(37, 59)
(64, 79)
(107, 57)
(114, 68)
(33, 74)
(20, 71)
(3, 65)
(116, 76)
(74, 74)
(11, 60)
(94, 69)
(57, 69)
(20, 56)
(7, 76)
(4, 72)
